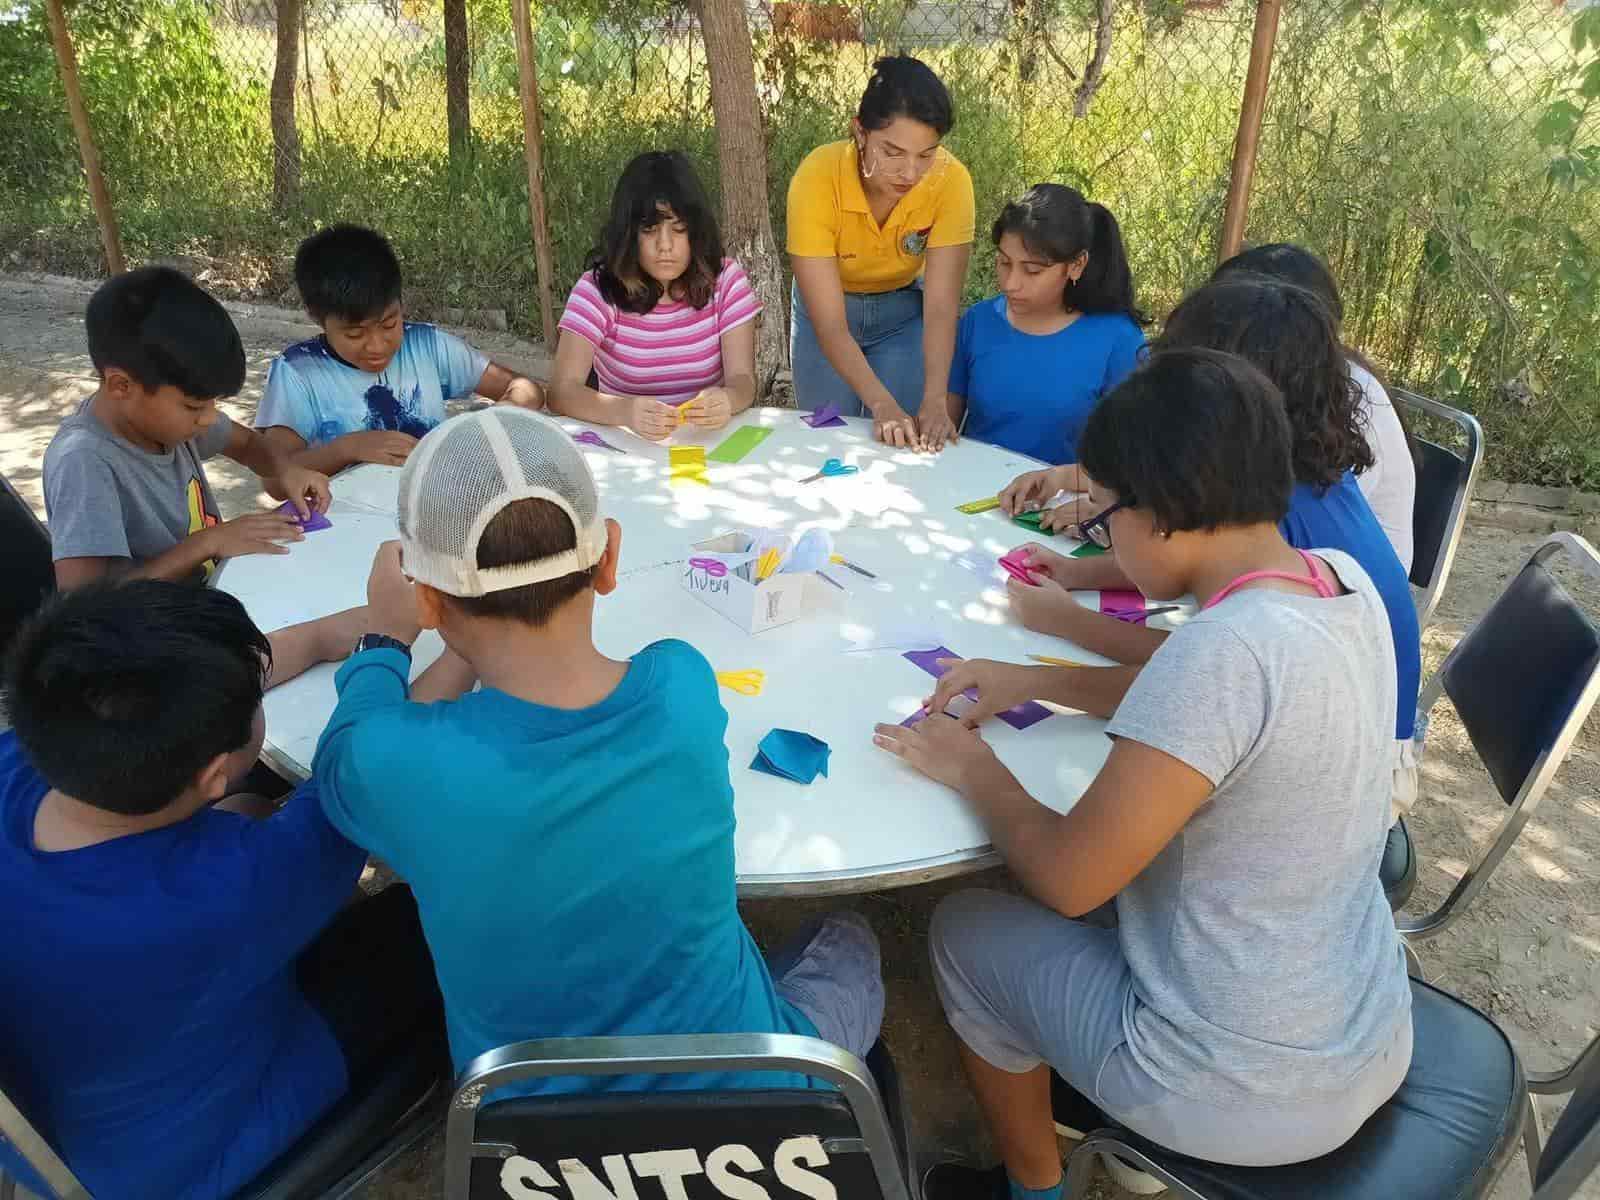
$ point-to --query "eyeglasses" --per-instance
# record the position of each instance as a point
(1097, 529)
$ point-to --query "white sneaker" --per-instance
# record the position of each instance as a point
(1076, 1117)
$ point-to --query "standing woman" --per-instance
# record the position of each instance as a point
(880, 231)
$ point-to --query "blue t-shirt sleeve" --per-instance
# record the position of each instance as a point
(299, 872)
(350, 759)
(460, 366)
(1127, 352)
(961, 362)
(287, 401)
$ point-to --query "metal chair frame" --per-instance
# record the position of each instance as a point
(666, 1055)
(1428, 598)
(1539, 776)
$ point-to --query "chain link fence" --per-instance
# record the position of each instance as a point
(1438, 152)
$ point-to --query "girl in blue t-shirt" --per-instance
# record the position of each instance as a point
(1031, 363)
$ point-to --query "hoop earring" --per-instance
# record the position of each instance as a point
(869, 172)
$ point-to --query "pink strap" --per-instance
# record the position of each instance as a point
(1313, 579)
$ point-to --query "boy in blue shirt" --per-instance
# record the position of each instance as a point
(373, 383)
(568, 830)
(186, 998)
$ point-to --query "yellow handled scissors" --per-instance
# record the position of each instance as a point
(767, 564)
(746, 683)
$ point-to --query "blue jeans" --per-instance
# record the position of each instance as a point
(887, 327)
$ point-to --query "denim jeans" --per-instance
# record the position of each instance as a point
(887, 327)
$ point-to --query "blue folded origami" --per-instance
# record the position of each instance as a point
(790, 754)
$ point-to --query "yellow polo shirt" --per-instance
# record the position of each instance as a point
(829, 218)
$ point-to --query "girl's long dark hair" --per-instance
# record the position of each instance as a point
(1058, 224)
(1288, 333)
(653, 184)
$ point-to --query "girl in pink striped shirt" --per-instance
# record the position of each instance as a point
(662, 320)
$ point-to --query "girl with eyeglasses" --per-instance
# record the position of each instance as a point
(1249, 1005)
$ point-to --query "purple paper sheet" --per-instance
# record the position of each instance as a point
(1023, 715)
(311, 524)
(825, 417)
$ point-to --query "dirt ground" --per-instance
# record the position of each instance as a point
(1527, 952)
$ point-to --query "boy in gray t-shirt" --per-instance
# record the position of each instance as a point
(1251, 1005)
(124, 484)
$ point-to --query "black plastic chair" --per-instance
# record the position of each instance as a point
(851, 1136)
(1523, 680)
(334, 1159)
(27, 574)
(1445, 481)
(1572, 1152)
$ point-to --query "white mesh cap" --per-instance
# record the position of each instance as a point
(465, 471)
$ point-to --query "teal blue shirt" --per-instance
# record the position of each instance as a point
(574, 868)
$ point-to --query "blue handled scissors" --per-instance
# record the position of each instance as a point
(590, 438)
(831, 469)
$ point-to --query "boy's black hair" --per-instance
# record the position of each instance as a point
(122, 692)
(902, 86)
(1058, 224)
(347, 271)
(1289, 334)
(162, 328)
(652, 185)
(521, 532)
(1287, 263)
(1197, 438)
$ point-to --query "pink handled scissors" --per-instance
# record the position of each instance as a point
(590, 438)
(711, 566)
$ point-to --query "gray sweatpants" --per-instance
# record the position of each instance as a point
(1022, 985)
(831, 973)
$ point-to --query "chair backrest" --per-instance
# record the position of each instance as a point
(1524, 678)
(27, 574)
(1572, 1152)
(1445, 481)
(26, 1152)
(700, 1145)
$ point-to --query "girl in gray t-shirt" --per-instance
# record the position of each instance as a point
(1250, 1004)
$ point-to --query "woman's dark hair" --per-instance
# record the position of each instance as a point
(121, 693)
(1058, 224)
(1197, 438)
(1289, 334)
(1287, 263)
(652, 185)
(902, 86)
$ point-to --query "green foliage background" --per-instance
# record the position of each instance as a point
(1442, 154)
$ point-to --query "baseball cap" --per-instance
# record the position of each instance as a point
(464, 472)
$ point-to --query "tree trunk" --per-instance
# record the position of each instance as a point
(285, 132)
(742, 165)
(457, 76)
(1095, 73)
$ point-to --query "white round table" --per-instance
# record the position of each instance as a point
(872, 822)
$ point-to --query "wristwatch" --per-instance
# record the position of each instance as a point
(381, 641)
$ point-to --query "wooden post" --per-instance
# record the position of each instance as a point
(533, 149)
(99, 196)
(1251, 110)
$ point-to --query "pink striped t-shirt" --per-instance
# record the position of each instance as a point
(672, 352)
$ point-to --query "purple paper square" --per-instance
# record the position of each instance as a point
(825, 417)
(311, 524)
(1023, 715)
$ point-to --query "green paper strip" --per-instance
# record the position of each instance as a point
(1087, 550)
(739, 443)
(1030, 520)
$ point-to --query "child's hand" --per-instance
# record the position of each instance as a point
(1000, 686)
(711, 409)
(524, 393)
(1029, 491)
(306, 489)
(651, 419)
(385, 447)
(941, 747)
(1066, 516)
(254, 533)
(1041, 560)
(1039, 607)
(391, 597)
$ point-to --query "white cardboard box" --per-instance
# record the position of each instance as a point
(753, 607)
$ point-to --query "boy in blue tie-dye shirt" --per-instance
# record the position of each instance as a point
(373, 382)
